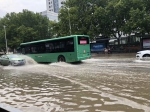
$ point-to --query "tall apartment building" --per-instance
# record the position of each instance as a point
(52, 9)
(51, 15)
(54, 5)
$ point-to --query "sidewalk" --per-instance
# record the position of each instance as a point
(115, 55)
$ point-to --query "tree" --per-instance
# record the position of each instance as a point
(139, 21)
(82, 17)
(24, 26)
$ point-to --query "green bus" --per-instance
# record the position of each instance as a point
(72, 48)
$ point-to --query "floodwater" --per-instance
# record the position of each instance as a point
(99, 84)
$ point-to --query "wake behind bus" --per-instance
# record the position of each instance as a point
(72, 48)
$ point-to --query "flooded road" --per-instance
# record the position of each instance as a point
(108, 84)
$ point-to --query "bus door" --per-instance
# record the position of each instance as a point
(40, 49)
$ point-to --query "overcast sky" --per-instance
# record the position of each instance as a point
(8, 6)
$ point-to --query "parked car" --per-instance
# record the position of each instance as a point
(12, 59)
(143, 54)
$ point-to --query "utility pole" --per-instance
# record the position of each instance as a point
(5, 39)
(69, 20)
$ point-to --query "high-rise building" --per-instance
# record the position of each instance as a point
(51, 15)
(54, 5)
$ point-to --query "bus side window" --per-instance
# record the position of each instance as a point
(70, 46)
(33, 49)
(62, 46)
(51, 47)
(56, 46)
(42, 49)
(47, 46)
(23, 50)
(27, 50)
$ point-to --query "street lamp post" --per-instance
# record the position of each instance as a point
(69, 20)
(5, 39)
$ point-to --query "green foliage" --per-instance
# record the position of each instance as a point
(83, 18)
(139, 21)
(23, 27)
(110, 18)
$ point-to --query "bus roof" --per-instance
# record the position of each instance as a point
(44, 40)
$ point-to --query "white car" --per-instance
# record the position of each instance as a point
(143, 54)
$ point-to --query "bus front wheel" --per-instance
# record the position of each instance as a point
(61, 59)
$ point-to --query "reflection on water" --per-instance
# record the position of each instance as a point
(116, 85)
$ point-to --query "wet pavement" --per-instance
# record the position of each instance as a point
(104, 83)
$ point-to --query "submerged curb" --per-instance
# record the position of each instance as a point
(7, 108)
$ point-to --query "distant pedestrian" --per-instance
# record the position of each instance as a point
(109, 50)
(106, 51)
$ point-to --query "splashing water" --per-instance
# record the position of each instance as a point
(29, 60)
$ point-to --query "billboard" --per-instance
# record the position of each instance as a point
(97, 47)
(146, 43)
